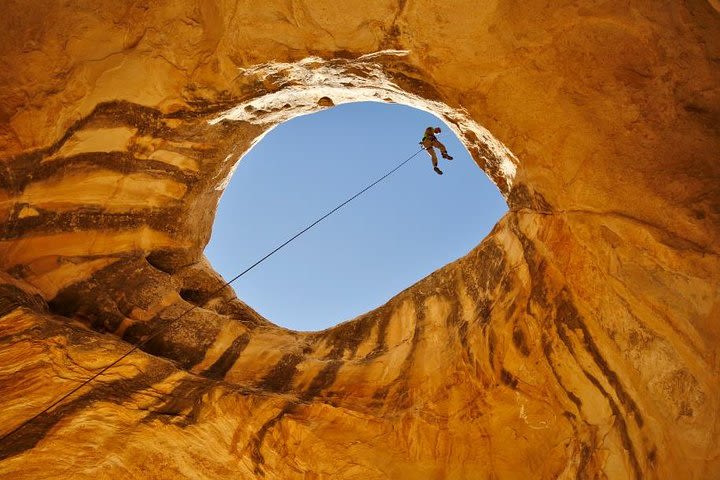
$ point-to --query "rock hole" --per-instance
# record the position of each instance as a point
(397, 233)
(190, 295)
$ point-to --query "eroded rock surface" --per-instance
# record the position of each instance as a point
(579, 340)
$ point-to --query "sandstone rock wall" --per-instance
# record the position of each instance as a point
(579, 340)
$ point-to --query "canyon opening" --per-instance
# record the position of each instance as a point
(376, 247)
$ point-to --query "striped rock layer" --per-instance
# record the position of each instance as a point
(578, 340)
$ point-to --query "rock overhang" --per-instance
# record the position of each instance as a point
(584, 322)
(313, 83)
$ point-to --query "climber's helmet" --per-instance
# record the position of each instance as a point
(437, 129)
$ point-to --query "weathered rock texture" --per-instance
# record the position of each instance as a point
(579, 340)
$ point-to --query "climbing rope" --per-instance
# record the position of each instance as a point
(211, 295)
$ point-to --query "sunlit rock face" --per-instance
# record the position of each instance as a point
(579, 340)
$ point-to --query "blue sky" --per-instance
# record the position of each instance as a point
(397, 233)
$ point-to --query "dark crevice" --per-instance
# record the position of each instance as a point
(194, 296)
(169, 261)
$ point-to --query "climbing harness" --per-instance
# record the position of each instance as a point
(211, 295)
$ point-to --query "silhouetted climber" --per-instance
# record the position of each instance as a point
(430, 142)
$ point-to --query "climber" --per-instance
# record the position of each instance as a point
(430, 142)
